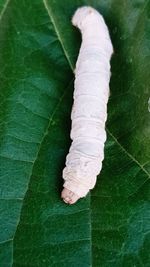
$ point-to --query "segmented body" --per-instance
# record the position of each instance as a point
(89, 111)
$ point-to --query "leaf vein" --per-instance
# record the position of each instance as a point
(127, 153)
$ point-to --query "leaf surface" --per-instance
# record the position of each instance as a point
(38, 51)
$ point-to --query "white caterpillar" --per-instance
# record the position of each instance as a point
(89, 111)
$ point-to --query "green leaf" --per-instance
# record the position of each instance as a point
(38, 51)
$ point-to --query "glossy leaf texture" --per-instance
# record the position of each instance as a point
(38, 51)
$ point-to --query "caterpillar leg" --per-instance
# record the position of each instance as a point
(68, 196)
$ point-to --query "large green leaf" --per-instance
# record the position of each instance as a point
(38, 50)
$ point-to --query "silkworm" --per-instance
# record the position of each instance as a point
(89, 110)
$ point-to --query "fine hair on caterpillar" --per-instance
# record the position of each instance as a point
(89, 110)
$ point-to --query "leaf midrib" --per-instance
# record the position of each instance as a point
(58, 34)
(4, 9)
